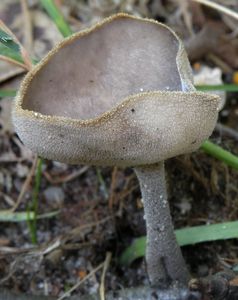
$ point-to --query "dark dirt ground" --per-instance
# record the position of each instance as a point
(100, 209)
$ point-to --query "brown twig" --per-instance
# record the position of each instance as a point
(25, 185)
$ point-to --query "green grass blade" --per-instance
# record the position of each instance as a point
(7, 52)
(10, 49)
(218, 87)
(56, 17)
(221, 154)
(13, 55)
(7, 216)
(185, 236)
(8, 41)
(102, 183)
(134, 251)
(7, 93)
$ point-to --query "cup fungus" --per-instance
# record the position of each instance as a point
(120, 94)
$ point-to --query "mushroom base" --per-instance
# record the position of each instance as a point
(164, 260)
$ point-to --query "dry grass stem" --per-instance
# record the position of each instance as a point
(219, 7)
(26, 58)
(67, 178)
(7, 199)
(28, 40)
(4, 251)
(105, 267)
(12, 61)
(68, 293)
(25, 185)
(8, 31)
(77, 231)
(76, 246)
(187, 16)
(62, 242)
(126, 193)
(220, 63)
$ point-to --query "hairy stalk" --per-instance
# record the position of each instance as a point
(164, 260)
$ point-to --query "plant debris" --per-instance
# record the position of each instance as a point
(100, 210)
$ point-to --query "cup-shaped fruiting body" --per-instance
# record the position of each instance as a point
(119, 93)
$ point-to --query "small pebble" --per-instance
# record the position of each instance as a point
(55, 196)
(203, 270)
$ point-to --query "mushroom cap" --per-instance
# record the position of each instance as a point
(119, 93)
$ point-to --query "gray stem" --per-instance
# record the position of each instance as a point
(164, 260)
